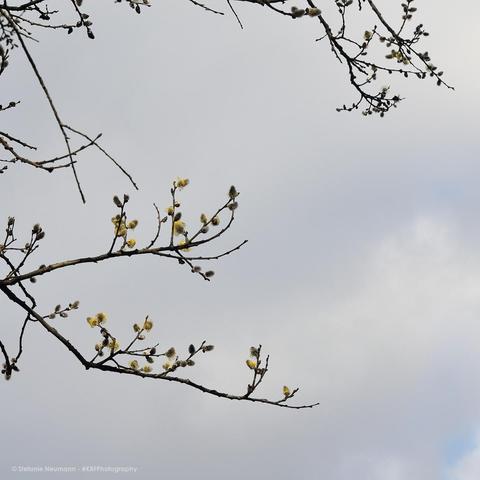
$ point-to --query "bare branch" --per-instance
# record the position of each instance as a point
(48, 96)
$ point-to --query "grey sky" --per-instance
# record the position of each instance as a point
(361, 277)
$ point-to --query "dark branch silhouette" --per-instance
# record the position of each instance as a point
(180, 241)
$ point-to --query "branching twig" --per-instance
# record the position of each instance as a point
(117, 368)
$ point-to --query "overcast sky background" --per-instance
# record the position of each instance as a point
(361, 277)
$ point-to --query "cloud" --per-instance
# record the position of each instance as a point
(468, 466)
(361, 277)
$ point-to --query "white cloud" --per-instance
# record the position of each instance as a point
(468, 467)
(372, 308)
